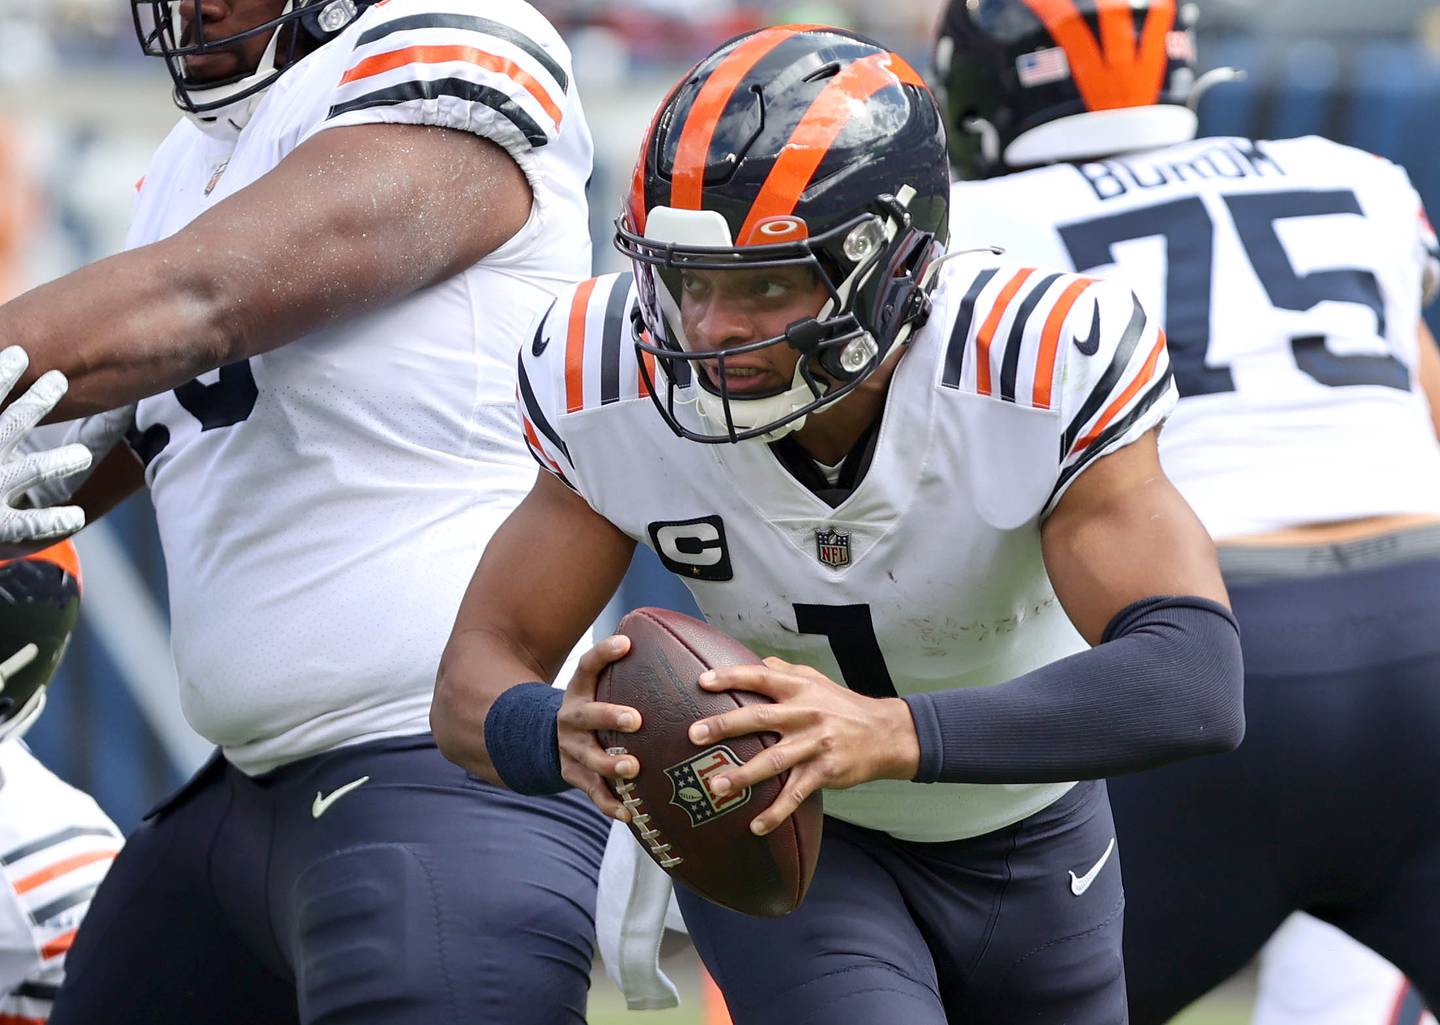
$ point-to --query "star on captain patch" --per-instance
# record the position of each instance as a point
(832, 547)
(215, 176)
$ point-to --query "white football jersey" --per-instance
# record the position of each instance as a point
(55, 847)
(1289, 276)
(929, 575)
(322, 506)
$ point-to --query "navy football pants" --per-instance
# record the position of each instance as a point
(422, 895)
(981, 931)
(1332, 803)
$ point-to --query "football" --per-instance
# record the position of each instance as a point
(700, 838)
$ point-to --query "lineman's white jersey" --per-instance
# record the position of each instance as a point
(1311, 973)
(55, 847)
(929, 575)
(323, 505)
(1289, 276)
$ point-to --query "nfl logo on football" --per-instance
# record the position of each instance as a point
(832, 547)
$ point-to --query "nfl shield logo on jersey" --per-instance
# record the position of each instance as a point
(832, 547)
(690, 781)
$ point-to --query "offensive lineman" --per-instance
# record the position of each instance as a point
(1290, 275)
(333, 259)
(55, 842)
(880, 469)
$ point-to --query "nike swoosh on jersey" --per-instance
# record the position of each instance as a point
(540, 342)
(1091, 344)
(322, 804)
(1079, 884)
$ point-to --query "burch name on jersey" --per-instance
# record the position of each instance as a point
(929, 574)
(321, 505)
(55, 847)
(1290, 277)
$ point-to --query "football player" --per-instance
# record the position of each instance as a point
(55, 842)
(1290, 277)
(919, 493)
(334, 257)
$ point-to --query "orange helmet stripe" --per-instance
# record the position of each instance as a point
(687, 179)
(63, 555)
(1050, 339)
(818, 128)
(1112, 71)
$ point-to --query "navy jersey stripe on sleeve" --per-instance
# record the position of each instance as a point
(457, 87)
(1109, 379)
(610, 339)
(537, 413)
(471, 24)
(960, 332)
(51, 840)
(44, 913)
(37, 991)
(1011, 364)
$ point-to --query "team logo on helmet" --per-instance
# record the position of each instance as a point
(690, 782)
(832, 547)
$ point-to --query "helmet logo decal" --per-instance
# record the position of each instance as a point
(818, 128)
(770, 230)
(693, 149)
(1113, 70)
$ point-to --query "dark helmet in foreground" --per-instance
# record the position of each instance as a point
(39, 602)
(796, 145)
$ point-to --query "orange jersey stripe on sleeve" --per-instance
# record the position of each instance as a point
(58, 945)
(987, 330)
(20, 1019)
(575, 348)
(380, 63)
(55, 871)
(534, 440)
(1147, 373)
(817, 130)
(1050, 340)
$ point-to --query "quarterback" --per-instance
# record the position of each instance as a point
(334, 257)
(55, 842)
(1290, 275)
(920, 492)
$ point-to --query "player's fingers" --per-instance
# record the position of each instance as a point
(584, 748)
(600, 655)
(598, 715)
(760, 678)
(40, 525)
(758, 718)
(797, 791)
(599, 792)
(13, 361)
(775, 759)
(41, 467)
(30, 408)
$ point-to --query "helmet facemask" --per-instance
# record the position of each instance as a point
(870, 268)
(224, 105)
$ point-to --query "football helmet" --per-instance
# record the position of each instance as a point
(39, 601)
(795, 145)
(1027, 82)
(175, 30)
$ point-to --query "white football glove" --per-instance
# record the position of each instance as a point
(19, 472)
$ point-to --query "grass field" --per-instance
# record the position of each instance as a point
(1228, 1006)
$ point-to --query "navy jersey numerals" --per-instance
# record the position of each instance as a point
(850, 629)
(1189, 235)
(228, 401)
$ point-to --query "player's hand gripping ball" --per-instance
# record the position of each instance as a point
(701, 838)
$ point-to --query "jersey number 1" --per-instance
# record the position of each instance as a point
(851, 633)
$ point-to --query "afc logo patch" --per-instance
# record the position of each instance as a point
(690, 785)
(832, 547)
(693, 548)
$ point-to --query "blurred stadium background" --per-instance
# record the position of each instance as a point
(80, 112)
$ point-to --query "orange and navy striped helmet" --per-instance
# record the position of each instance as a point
(39, 602)
(795, 145)
(1027, 82)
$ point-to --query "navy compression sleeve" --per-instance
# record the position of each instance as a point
(1165, 683)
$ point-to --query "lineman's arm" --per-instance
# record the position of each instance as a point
(544, 577)
(1430, 373)
(353, 218)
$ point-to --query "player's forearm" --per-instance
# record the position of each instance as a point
(1166, 684)
(129, 326)
(477, 667)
